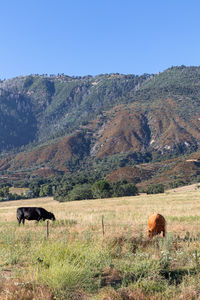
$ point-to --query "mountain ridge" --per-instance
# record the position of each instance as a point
(102, 122)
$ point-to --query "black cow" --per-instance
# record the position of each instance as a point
(33, 213)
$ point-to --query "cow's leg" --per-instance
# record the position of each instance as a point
(23, 221)
(164, 233)
(38, 220)
(39, 217)
(19, 221)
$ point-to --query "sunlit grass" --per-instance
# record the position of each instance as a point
(76, 260)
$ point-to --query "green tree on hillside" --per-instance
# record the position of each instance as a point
(101, 189)
(45, 190)
(4, 191)
(80, 192)
(155, 188)
(123, 188)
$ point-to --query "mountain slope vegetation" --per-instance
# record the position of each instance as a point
(99, 124)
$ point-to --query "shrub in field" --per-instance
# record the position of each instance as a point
(155, 189)
(80, 192)
(120, 189)
(101, 189)
(15, 196)
(176, 183)
(67, 267)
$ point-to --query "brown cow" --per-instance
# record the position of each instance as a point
(156, 225)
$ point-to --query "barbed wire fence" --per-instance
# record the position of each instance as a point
(102, 226)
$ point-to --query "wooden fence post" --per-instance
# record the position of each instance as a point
(102, 225)
(47, 229)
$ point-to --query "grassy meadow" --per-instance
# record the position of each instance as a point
(77, 261)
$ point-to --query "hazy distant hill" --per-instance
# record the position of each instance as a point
(36, 108)
(98, 123)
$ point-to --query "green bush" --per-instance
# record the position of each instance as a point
(62, 190)
(80, 192)
(45, 190)
(101, 189)
(120, 189)
(176, 183)
(155, 188)
(66, 267)
(35, 188)
(4, 191)
(16, 196)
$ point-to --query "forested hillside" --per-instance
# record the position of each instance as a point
(99, 124)
(53, 106)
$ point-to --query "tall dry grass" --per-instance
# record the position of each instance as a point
(78, 262)
(180, 208)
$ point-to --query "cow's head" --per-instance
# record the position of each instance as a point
(150, 233)
(51, 216)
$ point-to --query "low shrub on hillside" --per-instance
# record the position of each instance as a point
(101, 189)
(80, 192)
(176, 183)
(16, 196)
(123, 188)
(155, 189)
(4, 191)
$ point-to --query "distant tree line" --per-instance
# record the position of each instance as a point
(86, 185)
(70, 187)
(80, 187)
(69, 190)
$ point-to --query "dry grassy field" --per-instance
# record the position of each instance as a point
(72, 263)
(180, 207)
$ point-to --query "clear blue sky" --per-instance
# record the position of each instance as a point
(81, 37)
